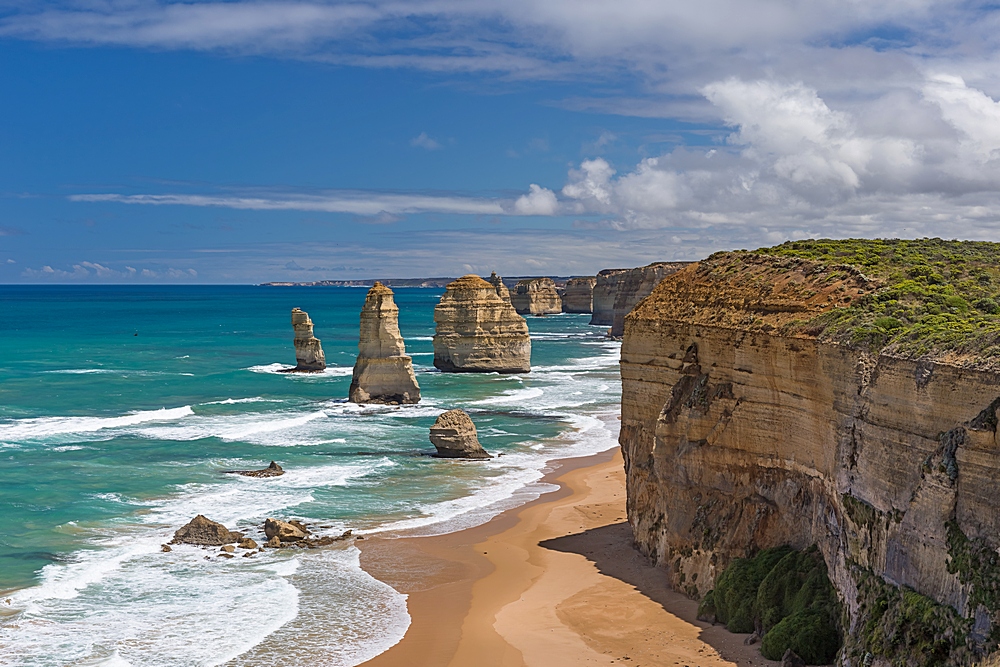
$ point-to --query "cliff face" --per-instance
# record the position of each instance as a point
(309, 355)
(536, 296)
(605, 292)
(635, 286)
(479, 332)
(578, 296)
(738, 438)
(383, 373)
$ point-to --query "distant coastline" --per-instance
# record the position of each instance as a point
(401, 282)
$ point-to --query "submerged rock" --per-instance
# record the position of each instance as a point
(309, 357)
(454, 436)
(273, 470)
(204, 531)
(578, 296)
(536, 296)
(383, 373)
(479, 332)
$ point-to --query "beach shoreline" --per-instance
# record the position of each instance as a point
(556, 581)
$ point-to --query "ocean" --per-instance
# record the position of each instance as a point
(120, 408)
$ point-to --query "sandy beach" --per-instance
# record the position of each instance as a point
(555, 582)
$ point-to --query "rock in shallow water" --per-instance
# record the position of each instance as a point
(455, 437)
(204, 531)
(273, 470)
(285, 531)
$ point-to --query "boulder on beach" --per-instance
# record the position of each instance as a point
(454, 436)
(203, 531)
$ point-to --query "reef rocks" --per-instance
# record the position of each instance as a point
(478, 331)
(285, 531)
(536, 296)
(309, 357)
(273, 470)
(383, 373)
(578, 295)
(501, 289)
(454, 435)
(203, 531)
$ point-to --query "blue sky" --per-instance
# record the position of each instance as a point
(146, 141)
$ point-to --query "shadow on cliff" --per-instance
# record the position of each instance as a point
(612, 550)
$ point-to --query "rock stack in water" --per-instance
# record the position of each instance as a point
(309, 356)
(383, 373)
(454, 436)
(536, 296)
(605, 291)
(501, 289)
(478, 331)
(578, 296)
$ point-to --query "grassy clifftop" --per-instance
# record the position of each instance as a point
(927, 297)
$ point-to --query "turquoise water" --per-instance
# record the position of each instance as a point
(120, 407)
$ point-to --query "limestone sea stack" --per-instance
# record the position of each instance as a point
(536, 296)
(455, 437)
(605, 291)
(578, 295)
(501, 289)
(383, 373)
(309, 357)
(634, 286)
(478, 331)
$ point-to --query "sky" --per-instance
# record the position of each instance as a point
(252, 141)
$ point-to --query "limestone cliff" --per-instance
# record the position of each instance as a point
(479, 332)
(383, 373)
(636, 285)
(501, 289)
(309, 356)
(744, 429)
(536, 296)
(578, 296)
(605, 291)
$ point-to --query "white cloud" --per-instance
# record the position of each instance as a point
(426, 142)
(95, 272)
(538, 201)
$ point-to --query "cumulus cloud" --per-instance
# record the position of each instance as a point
(538, 201)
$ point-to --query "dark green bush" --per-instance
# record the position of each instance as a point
(785, 593)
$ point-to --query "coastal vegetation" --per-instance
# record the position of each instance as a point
(926, 296)
(786, 597)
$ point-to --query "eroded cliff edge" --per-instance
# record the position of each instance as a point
(769, 400)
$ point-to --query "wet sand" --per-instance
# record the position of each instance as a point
(555, 582)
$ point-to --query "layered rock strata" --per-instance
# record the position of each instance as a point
(383, 373)
(501, 289)
(606, 288)
(578, 295)
(454, 436)
(536, 296)
(479, 332)
(309, 357)
(635, 286)
(737, 437)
